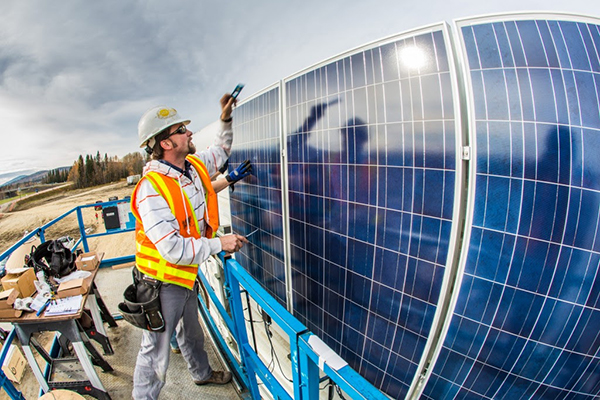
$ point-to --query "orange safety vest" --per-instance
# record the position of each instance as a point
(148, 259)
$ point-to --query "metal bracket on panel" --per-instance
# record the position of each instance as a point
(326, 354)
(466, 152)
(421, 380)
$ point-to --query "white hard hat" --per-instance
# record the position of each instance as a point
(155, 120)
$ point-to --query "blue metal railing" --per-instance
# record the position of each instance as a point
(5, 383)
(306, 361)
(84, 236)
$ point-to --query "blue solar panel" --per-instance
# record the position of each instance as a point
(367, 258)
(527, 322)
(373, 160)
(256, 202)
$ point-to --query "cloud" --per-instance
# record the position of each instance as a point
(76, 76)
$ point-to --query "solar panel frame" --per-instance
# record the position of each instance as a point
(477, 114)
(527, 73)
(340, 62)
(257, 127)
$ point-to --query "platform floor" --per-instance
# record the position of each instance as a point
(125, 340)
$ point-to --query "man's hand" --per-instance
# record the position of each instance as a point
(232, 243)
(242, 171)
(227, 103)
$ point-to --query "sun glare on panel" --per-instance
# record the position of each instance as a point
(413, 57)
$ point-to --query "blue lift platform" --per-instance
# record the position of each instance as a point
(313, 363)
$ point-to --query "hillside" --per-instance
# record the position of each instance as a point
(33, 178)
(27, 179)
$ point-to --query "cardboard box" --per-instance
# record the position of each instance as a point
(87, 261)
(72, 288)
(14, 364)
(10, 313)
(8, 297)
(21, 280)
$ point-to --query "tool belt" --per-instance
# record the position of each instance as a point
(141, 305)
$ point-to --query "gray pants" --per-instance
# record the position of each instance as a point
(177, 303)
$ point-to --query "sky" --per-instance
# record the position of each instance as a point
(76, 76)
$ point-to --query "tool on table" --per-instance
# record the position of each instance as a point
(42, 308)
(50, 300)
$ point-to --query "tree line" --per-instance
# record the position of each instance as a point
(91, 171)
(97, 170)
(57, 175)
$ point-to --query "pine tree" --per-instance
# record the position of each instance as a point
(97, 171)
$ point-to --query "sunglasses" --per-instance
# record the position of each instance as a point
(179, 131)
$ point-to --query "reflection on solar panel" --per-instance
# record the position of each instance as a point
(256, 202)
(371, 159)
(527, 320)
(503, 303)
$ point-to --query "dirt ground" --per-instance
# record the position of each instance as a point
(34, 214)
(111, 282)
(31, 215)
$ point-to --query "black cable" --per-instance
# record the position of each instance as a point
(327, 384)
(253, 321)
(339, 392)
(273, 353)
(250, 320)
(268, 333)
(248, 308)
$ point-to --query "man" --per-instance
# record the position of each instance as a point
(243, 170)
(175, 206)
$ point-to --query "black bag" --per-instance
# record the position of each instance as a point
(141, 305)
(53, 258)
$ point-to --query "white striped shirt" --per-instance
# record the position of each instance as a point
(160, 224)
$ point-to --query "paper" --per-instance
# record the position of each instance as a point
(64, 306)
(39, 301)
(73, 275)
(89, 258)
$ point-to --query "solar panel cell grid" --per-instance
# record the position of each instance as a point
(521, 326)
(357, 178)
(370, 140)
(256, 201)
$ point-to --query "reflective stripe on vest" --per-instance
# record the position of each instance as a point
(148, 259)
(211, 211)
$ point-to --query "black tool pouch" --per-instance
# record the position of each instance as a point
(141, 305)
